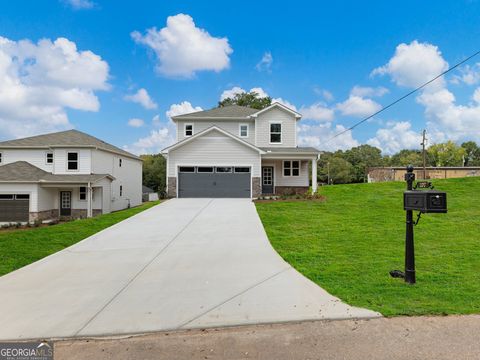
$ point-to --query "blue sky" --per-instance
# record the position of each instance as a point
(335, 62)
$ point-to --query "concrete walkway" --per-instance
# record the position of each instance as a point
(187, 263)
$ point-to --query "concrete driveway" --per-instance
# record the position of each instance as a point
(187, 263)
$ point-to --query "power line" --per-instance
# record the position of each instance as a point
(404, 96)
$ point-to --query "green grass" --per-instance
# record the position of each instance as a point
(24, 246)
(349, 243)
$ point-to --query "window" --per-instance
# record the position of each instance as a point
(188, 130)
(22, 197)
(186, 169)
(49, 157)
(242, 169)
(72, 161)
(275, 133)
(121, 190)
(223, 169)
(82, 193)
(291, 168)
(243, 130)
(6, 196)
(205, 169)
(119, 162)
(1, 157)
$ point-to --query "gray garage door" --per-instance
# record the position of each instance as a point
(14, 208)
(214, 182)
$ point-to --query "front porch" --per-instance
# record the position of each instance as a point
(288, 172)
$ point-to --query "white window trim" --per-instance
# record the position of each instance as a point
(270, 132)
(291, 168)
(185, 129)
(46, 157)
(240, 130)
(78, 161)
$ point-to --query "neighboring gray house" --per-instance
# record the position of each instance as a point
(237, 151)
(67, 173)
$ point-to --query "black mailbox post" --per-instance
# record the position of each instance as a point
(429, 201)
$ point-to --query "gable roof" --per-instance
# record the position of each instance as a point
(234, 112)
(231, 111)
(68, 138)
(281, 106)
(206, 131)
(22, 171)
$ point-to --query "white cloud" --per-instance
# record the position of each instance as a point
(183, 49)
(318, 136)
(327, 95)
(135, 122)
(318, 112)
(265, 63)
(358, 106)
(417, 63)
(80, 4)
(230, 93)
(143, 98)
(38, 82)
(153, 143)
(183, 108)
(395, 137)
(156, 121)
(469, 75)
(368, 91)
(414, 64)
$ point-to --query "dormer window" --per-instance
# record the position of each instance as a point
(49, 157)
(188, 130)
(275, 133)
(243, 130)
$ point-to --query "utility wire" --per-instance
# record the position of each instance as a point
(403, 97)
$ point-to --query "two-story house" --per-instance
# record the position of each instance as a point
(67, 173)
(237, 151)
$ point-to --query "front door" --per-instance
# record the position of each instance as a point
(267, 180)
(65, 203)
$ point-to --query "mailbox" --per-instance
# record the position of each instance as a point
(430, 201)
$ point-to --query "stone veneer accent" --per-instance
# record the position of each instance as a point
(82, 213)
(290, 190)
(43, 215)
(256, 187)
(172, 187)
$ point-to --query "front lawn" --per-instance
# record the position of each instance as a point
(349, 243)
(22, 247)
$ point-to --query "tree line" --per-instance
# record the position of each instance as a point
(351, 166)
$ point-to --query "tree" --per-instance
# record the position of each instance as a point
(250, 99)
(447, 154)
(363, 157)
(341, 171)
(154, 172)
(472, 153)
(406, 157)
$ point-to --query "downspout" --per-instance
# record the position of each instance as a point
(89, 200)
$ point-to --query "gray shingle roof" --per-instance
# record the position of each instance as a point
(291, 150)
(22, 171)
(68, 138)
(231, 111)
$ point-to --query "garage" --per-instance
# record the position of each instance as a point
(214, 182)
(14, 207)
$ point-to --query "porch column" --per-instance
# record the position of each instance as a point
(314, 175)
(89, 201)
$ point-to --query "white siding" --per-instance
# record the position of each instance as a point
(129, 176)
(233, 127)
(262, 126)
(47, 199)
(84, 161)
(36, 157)
(214, 149)
(280, 180)
(32, 189)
